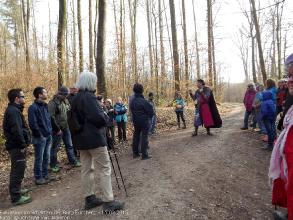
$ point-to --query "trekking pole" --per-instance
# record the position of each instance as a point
(119, 170)
(114, 171)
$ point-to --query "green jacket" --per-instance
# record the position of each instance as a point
(58, 109)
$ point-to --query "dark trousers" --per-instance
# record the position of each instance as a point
(18, 165)
(271, 131)
(140, 135)
(110, 133)
(121, 130)
(180, 114)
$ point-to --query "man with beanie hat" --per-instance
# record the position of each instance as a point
(58, 108)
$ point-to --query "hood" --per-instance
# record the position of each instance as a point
(267, 96)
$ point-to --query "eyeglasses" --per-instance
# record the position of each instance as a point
(21, 96)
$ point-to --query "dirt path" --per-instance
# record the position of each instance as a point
(218, 177)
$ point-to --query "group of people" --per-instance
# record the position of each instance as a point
(86, 124)
(271, 109)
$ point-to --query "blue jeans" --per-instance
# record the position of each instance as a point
(260, 122)
(42, 146)
(153, 122)
(66, 137)
(271, 131)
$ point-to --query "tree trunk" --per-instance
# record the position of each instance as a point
(132, 18)
(162, 52)
(175, 46)
(156, 57)
(60, 42)
(74, 57)
(80, 36)
(213, 53)
(253, 58)
(196, 44)
(258, 38)
(185, 51)
(95, 28)
(210, 61)
(169, 38)
(100, 63)
(26, 19)
(91, 56)
(149, 38)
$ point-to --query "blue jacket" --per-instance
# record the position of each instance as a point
(273, 90)
(120, 110)
(268, 106)
(141, 111)
(179, 101)
(39, 119)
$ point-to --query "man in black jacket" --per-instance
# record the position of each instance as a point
(90, 140)
(142, 111)
(18, 138)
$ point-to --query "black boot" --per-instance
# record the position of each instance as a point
(279, 215)
(110, 207)
(209, 131)
(184, 125)
(92, 201)
(195, 132)
(178, 124)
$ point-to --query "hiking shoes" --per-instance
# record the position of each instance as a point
(244, 128)
(146, 158)
(23, 200)
(77, 164)
(41, 181)
(25, 191)
(92, 201)
(55, 169)
(111, 207)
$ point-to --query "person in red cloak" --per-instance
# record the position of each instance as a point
(206, 112)
(281, 164)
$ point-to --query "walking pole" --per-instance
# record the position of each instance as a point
(114, 171)
(119, 171)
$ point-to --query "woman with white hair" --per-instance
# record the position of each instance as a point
(89, 138)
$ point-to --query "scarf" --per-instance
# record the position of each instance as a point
(278, 165)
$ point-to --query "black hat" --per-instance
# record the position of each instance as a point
(63, 91)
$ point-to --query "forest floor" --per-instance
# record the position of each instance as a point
(223, 176)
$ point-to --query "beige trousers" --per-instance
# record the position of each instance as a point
(96, 158)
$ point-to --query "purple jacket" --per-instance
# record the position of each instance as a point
(248, 99)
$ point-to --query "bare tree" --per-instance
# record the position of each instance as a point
(175, 46)
(258, 38)
(162, 51)
(80, 43)
(132, 18)
(210, 58)
(100, 59)
(26, 25)
(91, 56)
(185, 50)
(60, 42)
(196, 44)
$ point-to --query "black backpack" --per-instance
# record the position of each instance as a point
(74, 123)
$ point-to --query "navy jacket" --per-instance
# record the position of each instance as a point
(268, 106)
(141, 111)
(39, 119)
(15, 129)
(93, 120)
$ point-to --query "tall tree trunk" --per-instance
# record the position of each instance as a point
(156, 57)
(279, 37)
(196, 44)
(26, 19)
(95, 28)
(80, 36)
(132, 18)
(210, 58)
(122, 45)
(253, 58)
(74, 56)
(185, 50)
(149, 38)
(91, 56)
(162, 52)
(213, 53)
(258, 38)
(175, 46)
(100, 63)
(60, 42)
